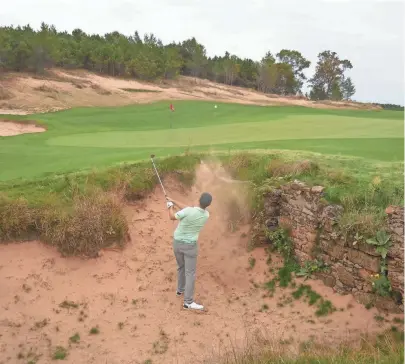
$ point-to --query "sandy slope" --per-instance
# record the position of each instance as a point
(136, 287)
(10, 128)
(60, 89)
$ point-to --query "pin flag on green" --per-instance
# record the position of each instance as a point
(172, 110)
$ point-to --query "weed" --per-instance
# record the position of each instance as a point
(60, 353)
(325, 308)
(265, 307)
(252, 262)
(379, 318)
(369, 305)
(148, 361)
(271, 286)
(398, 320)
(120, 325)
(382, 243)
(40, 324)
(75, 338)
(311, 267)
(382, 286)
(94, 330)
(162, 345)
(134, 301)
(68, 304)
(26, 288)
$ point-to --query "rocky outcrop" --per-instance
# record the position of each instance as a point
(352, 263)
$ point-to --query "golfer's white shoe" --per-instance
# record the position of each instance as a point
(193, 306)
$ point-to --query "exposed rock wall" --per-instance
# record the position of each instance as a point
(352, 263)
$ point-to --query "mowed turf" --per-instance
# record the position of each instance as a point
(88, 138)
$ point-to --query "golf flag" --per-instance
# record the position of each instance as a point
(171, 107)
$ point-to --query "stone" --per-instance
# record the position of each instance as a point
(327, 279)
(364, 298)
(364, 274)
(389, 210)
(367, 261)
(307, 212)
(387, 304)
(317, 189)
(345, 277)
(366, 248)
(334, 250)
(397, 281)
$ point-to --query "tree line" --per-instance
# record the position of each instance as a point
(147, 58)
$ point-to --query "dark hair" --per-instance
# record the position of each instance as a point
(205, 200)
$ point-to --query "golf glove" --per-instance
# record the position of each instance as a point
(169, 204)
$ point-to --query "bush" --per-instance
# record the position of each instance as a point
(16, 219)
(95, 222)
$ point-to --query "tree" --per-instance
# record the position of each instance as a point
(298, 64)
(194, 55)
(328, 74)
(348, 89)
(146, 57)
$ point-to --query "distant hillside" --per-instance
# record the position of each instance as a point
(22, 93)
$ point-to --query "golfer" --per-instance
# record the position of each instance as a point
(191, 221)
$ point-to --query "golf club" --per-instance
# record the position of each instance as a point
(152, 156)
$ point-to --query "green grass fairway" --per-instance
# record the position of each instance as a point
(87, 138)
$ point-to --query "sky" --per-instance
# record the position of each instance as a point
(369, 33)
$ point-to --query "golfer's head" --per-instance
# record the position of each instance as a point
(205, 200)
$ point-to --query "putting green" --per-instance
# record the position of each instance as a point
(88, 138)
(289, 128)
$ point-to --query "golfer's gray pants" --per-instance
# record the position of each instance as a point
(186, 257)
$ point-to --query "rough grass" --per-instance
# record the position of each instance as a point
(138, 90)
(363, 188)
(83, 213)
(385, 349)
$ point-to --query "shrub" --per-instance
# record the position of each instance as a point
(95, 221)
(16, 218)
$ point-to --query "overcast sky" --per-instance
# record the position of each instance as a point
(369, 33)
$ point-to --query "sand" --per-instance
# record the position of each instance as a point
(130, 294)
(11, 128)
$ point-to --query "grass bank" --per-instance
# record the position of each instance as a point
(82, 212)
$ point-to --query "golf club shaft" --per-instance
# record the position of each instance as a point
(157, 173)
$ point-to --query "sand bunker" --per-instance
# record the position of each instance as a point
(130, 296)
(10, 128)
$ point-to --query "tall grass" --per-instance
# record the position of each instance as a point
(385, 349)
(82, 213)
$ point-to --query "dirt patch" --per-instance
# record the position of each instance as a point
(122, 305)
(13, 127)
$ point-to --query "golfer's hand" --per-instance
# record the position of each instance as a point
(169, 204)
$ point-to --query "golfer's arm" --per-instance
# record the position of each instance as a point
(171, 213)
(180, 205)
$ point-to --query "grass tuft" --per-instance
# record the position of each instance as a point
(60, 353)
